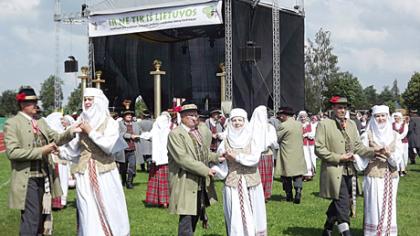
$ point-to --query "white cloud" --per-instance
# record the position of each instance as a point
(18, 7)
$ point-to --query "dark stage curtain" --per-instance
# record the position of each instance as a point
(190, 57)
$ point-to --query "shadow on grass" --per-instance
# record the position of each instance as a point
(277, 198)
(316, 194)
(72, 204)
(302, 231)
(149, 205)
(212, 234)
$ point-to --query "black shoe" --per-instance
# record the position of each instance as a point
(130, 181)
(297, 197)
(327, 232)
(289, 197)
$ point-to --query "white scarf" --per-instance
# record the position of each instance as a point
(382, 134)
(98, 112)
(160, 133)
(54, 121)
(238, 137)
(257, 131)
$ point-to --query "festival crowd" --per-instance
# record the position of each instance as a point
(185, 151)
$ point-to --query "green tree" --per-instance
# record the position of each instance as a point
(371, 97)
(75, 101)
(411, 95)
(345, 84)
(47, 96)
(385, 96)
(8, 104)
(320, 67)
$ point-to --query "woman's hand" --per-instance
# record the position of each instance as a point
(85, 127)
(230, 155)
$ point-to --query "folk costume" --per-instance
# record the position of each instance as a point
(291, 163)
(61, 167)
(33, 182)
(402, 128)
(216, 129)
(127, 166)
(333, 138)
(308, 144)
(243, 195)
(191, 187)
(158, 183)
(380, 183)
(101, 205)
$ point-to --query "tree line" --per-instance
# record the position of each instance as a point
(323, 79)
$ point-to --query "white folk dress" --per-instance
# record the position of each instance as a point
(380, 186)
(101, 204)
(244, 205)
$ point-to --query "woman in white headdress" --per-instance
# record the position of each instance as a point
(59, 123)
(66, 122)
(401, 127)
(243, 196)
(381, 179)
(101, 205)
(158, 183)
(308, 144)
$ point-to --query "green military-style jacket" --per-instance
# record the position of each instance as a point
(186, 169)
(291, 161)
(329, 146)
(19, 141)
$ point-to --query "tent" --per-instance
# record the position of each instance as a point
(191, 50)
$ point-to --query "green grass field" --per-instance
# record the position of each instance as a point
(283, 218)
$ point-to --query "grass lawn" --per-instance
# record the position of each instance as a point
(283, 218)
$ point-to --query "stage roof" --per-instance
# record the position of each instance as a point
(119, 6)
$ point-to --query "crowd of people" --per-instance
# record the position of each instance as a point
(185, 151)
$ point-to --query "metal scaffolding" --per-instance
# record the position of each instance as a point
(228, 49)
(276, 55)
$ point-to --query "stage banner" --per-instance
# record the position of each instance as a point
(209, 13)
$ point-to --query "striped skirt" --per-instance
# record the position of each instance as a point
(158, 185)
(265, 167)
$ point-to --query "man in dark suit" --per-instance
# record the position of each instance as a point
(413, 136)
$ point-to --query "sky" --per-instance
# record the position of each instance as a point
(378, 41)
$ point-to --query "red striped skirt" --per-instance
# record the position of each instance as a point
(56, 202)
(158, 185)
(265, 167)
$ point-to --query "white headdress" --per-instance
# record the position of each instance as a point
(238, 137)
(382, 133)
(98, 112)
(54, 121)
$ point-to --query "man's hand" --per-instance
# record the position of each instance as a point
(347, 157)
(49, 148)
(211, 172)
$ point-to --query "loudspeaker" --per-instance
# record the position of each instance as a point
(70, 65)
(250, 53)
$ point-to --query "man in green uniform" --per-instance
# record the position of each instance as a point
(291, 164)
(191, 179)
(33, 183)
(336, 141)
